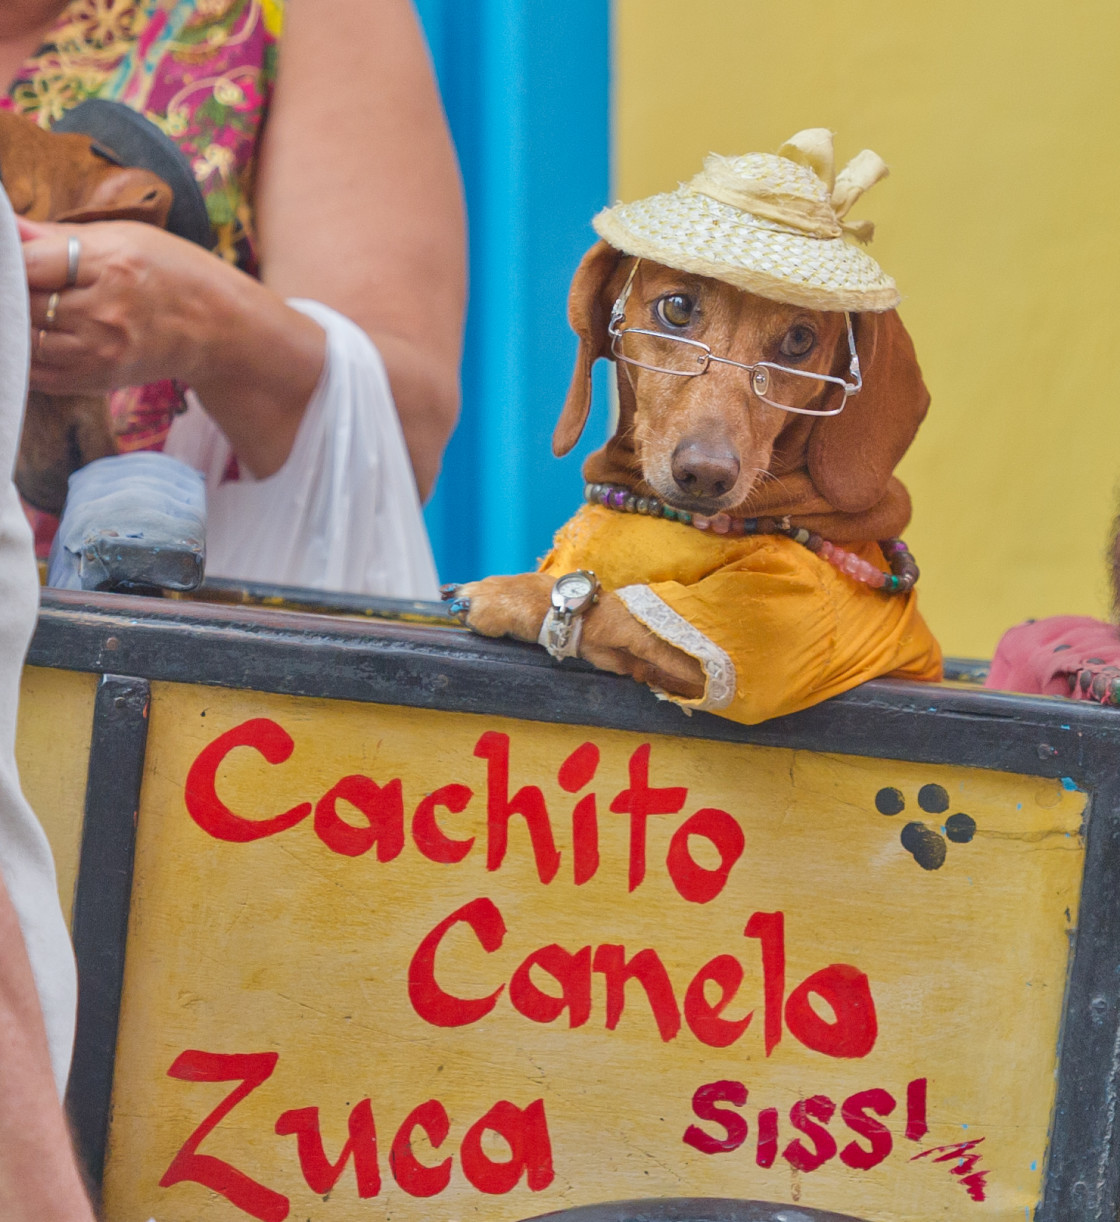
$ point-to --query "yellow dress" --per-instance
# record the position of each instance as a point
(775, 627)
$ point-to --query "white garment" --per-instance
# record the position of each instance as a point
(25, 856)
(343, 512)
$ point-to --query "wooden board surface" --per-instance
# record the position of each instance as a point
(52, 751)
(311, 970)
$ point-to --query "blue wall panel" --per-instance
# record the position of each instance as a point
(526, 84)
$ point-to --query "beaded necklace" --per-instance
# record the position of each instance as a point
(900, 580)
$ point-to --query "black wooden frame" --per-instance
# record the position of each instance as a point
(133, 641)
(99, 926)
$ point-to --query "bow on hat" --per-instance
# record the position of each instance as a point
(821, 217)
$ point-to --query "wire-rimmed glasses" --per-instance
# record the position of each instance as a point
(660, 352)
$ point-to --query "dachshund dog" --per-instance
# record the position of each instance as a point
(56, 176)
(710, 447)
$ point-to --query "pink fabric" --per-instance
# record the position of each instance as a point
(1040, 656)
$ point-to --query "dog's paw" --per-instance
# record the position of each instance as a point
(924, 843)
(456, 606)
(502, 606)
(1096, 681)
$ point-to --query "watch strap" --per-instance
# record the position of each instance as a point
(561, 635)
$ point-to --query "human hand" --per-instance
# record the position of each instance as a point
(145, 305)
(136, 310)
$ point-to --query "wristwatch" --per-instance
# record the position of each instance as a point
(572, 595)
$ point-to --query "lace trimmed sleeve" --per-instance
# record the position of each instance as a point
(664, 622)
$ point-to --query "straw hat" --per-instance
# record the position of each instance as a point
(771, 224)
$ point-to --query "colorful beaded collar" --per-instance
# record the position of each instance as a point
(900, 580)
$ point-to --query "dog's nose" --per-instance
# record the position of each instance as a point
(704, 472)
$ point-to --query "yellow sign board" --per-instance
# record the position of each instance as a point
(388, 962)
(55, 721)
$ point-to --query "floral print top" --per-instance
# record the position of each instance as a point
(203, 71)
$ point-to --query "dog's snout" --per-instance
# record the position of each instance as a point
(704, 471)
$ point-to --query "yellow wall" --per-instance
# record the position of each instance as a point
(1000, 222)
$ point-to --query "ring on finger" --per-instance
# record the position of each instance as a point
(73, 254)
(52, 309)
(40, 340)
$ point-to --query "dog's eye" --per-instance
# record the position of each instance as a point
(798, 341)
(676, 309)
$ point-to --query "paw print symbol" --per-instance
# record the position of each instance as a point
(924, 843)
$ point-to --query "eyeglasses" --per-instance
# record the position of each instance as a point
(774, 384)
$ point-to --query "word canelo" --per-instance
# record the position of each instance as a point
(524, 1130)
(844, 989)
(382, 808)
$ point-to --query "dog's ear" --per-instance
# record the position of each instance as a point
(852, 456)
(589, 312)
(124, 194)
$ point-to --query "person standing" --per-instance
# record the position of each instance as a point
(320, 349)
(39, 1178)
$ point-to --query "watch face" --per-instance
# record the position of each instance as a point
(574, 585)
